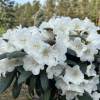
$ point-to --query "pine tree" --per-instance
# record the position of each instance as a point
(17, 14)
(39, 18)
(7, 14)
(75, 8)
(63, 8)
(49, 9)
(93, 13)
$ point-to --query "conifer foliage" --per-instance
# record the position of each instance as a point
(39, 18)
(7, 18)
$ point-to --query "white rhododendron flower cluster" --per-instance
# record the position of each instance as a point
(67, 47)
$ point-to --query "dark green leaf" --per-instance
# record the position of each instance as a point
(32, 82)
(98, 86)
(20, 69)
(87, 77)
(83, 66)
(98, 31)
(48, 29)
(71, 62)
(51, 42)
(70, 51)
(41, 98)
(82, 38)
(4, 55)
(16, 54)
(38, 87)
(47, 95)
(85, 96)
(16, 89)
(63, 98)
(96, 64)
(6, 40)
(6, 81)
(44, 80)
(23, 76)
(97, 56)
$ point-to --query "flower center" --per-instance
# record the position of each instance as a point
(37, 46)
(75, 73)
(23, 40)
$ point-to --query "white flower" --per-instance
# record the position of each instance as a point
(71, 95)
(61, 49)
(77, 88)
(46, 55)
(87, 24)
(76, 24)
(33, 45)
(95, 95)
(73, 75)
(19, 38)
(89, 53)
(93, 38)
(64, 38)
(47, 35)
(3, 46)
(34, 30)
(8, 34)
(78, 46)
(60, 84)
(55, 70)
(90, 70)
(31, 65)
(9, 65)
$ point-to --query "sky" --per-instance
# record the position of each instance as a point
(25, 1)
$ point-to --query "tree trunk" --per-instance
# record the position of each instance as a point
(99, 20)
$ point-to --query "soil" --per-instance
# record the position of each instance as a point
(7, 95)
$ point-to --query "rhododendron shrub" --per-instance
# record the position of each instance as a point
(59, 60)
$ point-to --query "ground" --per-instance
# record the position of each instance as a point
(7, 95)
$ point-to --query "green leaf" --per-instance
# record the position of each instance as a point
(41, 98)
(6, 81)
(48, 29)
(4, 55)
(82, 38)
(32, 82)
(85, 96)
(16, 89)
(98, 86)
(97, 56)
(51, 42)
(63, 98)
(83, 66)
(44, 80)
(23, 76)
(87, 77)
(70, 51)
(6, 40)
(71, 62)
(16, 54)
(98, 31)
(47, 95)
(20, 69)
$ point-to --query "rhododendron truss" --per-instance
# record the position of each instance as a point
(59, 60)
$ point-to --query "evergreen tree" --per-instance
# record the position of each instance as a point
(75, 8)
(7, 18)
(93, 10)
(63, 7)
(39, 18)
(49, 9)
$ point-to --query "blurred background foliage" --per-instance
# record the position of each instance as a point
(12, 14)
